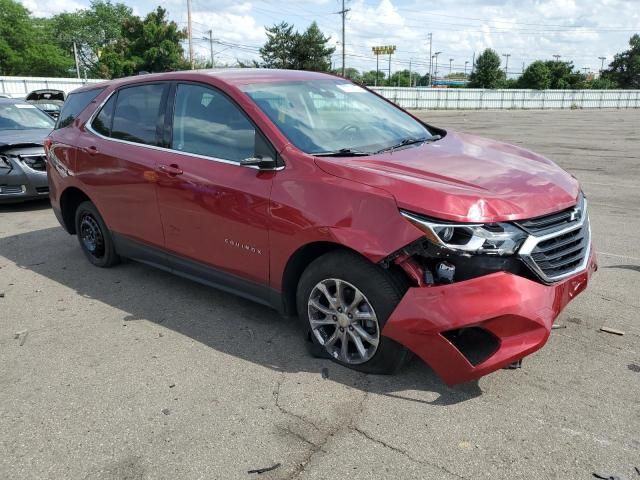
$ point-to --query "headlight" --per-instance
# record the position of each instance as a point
(492, 239)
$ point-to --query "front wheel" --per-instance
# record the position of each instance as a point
(94, 236)
(344, 301)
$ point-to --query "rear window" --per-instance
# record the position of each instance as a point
(74, 105)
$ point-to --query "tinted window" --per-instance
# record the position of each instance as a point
(102, 122)
(137, 115)
(74, 105)
(206, 122)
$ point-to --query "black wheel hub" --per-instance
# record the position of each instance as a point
(91, 235)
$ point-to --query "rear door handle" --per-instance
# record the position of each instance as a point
(172, 169)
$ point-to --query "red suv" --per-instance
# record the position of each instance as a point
(317, 197)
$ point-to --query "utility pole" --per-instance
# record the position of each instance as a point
(343, 12)
(75, 56)
(211, 47)
(506, 65)
(190, 33)
(466, 62)
(557, 57)
(410, 72)
(602, 59)
(435, 70)
(430, 57)
(473, 62)
(450, 65)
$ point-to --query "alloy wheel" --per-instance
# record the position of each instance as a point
(343, 321)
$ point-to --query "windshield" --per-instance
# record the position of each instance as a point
(23, 116)
(324, 116)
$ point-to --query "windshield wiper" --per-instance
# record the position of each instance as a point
(410, 141)
(343, 152)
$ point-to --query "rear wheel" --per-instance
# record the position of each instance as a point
(94, 236)
(344, 301)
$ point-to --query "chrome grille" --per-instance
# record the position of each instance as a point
(559, 244)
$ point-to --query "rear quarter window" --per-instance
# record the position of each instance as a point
(74, 105)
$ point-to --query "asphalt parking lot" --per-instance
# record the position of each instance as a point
(132, 373)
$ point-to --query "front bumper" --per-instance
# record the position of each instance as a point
(516, 312)
(22, 183)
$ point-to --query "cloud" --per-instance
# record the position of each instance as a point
(578, 30)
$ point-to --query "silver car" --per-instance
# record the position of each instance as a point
(23, 168)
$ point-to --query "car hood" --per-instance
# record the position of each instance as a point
(464, 178)
(31, 136)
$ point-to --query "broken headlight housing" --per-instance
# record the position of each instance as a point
(470, 238)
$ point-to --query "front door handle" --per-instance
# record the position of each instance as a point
(172, 169)
(92, 150)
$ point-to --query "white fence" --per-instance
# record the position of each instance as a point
(18, 87)
(478, 99)
(418, 98)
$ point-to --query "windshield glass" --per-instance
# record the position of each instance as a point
(23, 116)
(324, 116)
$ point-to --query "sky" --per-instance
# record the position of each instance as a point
(526, 30)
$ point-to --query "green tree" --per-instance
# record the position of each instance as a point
(537, 76)
(369, 78)
(288, 49)
(601, 83)
(350, 73)
(311, 50)
(423, 81)
(400, 78)
(624, 70)
(26, 46)
(487, 73)
(564, 76)
(278, 51)
(151, 45)
(93, 29)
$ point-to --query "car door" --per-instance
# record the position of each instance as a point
(215, 212)
(117, 161)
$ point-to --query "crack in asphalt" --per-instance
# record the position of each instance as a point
(406, 454)
(341, 425)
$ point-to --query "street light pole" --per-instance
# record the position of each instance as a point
(602, 59)
(465, 67)
(383, 50)
(450, 65)
(435, 70)
(557, 57)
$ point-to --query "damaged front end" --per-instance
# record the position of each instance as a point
(476, 302)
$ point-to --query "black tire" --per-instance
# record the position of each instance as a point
(381, 289)
(94, 236)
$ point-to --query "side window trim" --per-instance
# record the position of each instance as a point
(264, 140)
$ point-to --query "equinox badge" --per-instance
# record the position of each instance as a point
(243, 246)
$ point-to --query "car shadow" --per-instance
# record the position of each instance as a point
(26, 206)
(221, 321)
